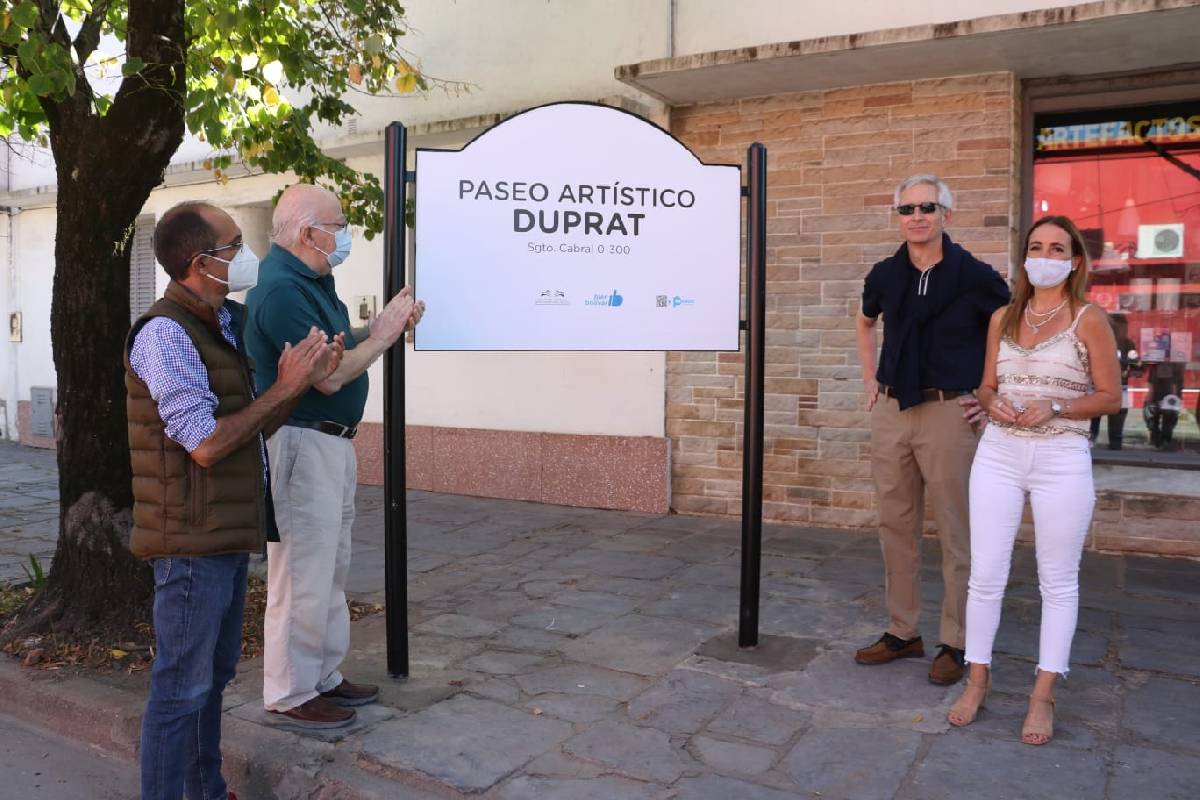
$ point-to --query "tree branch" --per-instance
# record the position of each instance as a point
(156, 36)
(89, 33)
(146, 117)
(52, 23)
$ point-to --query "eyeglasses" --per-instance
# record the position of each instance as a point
(235, 243)
(907, 209)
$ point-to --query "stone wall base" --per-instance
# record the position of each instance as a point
(629, 473)
(25, 428)
(1137, 522)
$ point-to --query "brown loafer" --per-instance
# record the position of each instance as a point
(948, 666)
(888, 649)
(352, 694)
(318, 714)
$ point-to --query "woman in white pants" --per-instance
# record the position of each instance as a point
(1051, 366)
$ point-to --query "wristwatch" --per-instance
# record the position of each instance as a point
(1056, 407)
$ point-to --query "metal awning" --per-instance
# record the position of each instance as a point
(1088, 39)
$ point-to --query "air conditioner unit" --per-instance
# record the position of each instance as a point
(1160, 241)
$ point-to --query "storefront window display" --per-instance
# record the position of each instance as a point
(1130, 179)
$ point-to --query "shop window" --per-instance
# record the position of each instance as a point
(1130, 179)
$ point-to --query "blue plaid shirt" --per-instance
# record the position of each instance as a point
(165, 359)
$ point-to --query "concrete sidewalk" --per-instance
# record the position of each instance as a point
(573, 653)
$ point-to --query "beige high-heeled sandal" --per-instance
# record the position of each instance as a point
(1036, 729)
(963, 710)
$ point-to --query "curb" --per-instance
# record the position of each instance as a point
(75, 708)
(260, 763)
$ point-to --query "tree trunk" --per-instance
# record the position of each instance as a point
(106, 168)
(95, 583)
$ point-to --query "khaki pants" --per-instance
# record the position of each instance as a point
(926, 447)
(307, 625)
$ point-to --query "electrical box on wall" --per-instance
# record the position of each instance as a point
(41, 411)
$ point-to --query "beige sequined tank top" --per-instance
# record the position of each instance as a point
(1057, 368)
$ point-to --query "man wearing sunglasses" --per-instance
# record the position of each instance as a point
(307, 625)
(200, 483)
(936, 300)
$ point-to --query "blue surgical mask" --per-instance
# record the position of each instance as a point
(243, 270)
(341, 246)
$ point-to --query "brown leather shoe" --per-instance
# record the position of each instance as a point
(948, 666)
(318, 714)
(888, 649)
(352, 694)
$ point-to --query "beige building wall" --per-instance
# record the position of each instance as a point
(704, 25)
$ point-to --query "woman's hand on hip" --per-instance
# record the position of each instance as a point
(973, 411)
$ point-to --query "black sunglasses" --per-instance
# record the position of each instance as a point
(907, 209)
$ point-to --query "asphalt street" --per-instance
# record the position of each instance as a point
(36, 765)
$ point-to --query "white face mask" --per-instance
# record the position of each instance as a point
(243, 270)
(1047, 272)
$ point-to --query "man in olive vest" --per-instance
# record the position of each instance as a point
(196, 440)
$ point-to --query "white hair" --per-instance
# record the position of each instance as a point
(298, 208)
(944, 197)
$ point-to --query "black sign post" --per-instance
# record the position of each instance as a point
(753, 392)
(397, 177)
(395, 519)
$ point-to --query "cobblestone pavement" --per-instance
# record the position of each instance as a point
(586, 655)
(28, 509)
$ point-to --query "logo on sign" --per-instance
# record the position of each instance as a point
(668, 301)
(612, 300)
(552, 297)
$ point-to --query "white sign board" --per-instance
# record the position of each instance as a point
(576, 226)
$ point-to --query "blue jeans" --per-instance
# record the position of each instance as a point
(198, 606)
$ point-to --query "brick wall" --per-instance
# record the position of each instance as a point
(834, 158)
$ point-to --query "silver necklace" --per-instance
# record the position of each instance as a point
(1049, 315)
(1029, 307)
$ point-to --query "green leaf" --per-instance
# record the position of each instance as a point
(77, 9)
(132, 66)
(41, 84)
(25, 14)
(30, 52)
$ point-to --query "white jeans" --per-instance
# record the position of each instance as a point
(1056, 473)
(307, 626)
